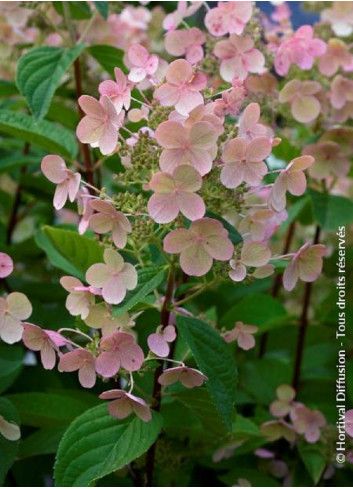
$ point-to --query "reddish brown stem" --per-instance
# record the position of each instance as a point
(277, 283)
(165, 314)
(16, 203)
(304, 323)
(84, 147)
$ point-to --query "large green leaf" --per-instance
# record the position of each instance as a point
(215, 360)
(8, 449)
(314, 460)
(39, 73)
(108, 57)
(258, 309)
(68, 250)
(8, 163)
(11, 363)
(44, 134)
(42, 442)
(148, 280)
(200, 403)
(46, 409)
(331, 211)
(103, 9)
(96, 444)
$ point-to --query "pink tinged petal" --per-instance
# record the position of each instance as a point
(190, 378)
(114, 290)
(6, 265)
(136, 75)
(195, 261)
(119, 236)
(219, 247)
(171, 135)
(289, 91)
(108, 140)
(167, 95)
(9, 430)
(263, 272)
(188, 100)
(158, 345)
(169, 333)
(47, 355)
(101, 223)
(54, 168)
(191, 205)
(280, 408)
(291, 275)
(91, 107)
(33, 337)
(179, 72)
(200, 159)
(254, 172)
(11, 329)
(349, 422)
(70, 362)
(131, 357)
(113, 259)
(238, 273)
(258, 149)
(187, 178)
(162, 183)
(87, 374)
(305, 108)
(163, 208)
(285, 393)
(61, 195)
(98, 274)
(172, 158)
(296, 183)
(138, 55)
(177, 241)
(255, 61)
(113, 394)
(246, 341)
(120, 409)
(129, 276)
(249, 117)
(301, 163)
(232, 174)
(89, 130)
(234, 150)
(170, 376)
(19, 306)
(142, 411)
(255, 254)
(202, 135)
(310, 263)
(73, 186)
(108, 363)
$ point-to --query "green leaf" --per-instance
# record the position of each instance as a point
(148, 280)
(331, 211)
(78, 10)
(108, 57)
(244, 427)
(42, 442)
(234, 236)
(200, 403)
(11, 357)
(46, 409)
(68, 250)
(96, 444)
(258, 309)
(44, 134)
(39, 73)
(8, 163)
(103, 9)
(313, 460)
(7, 88)
(8, 449)
(214, 358)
